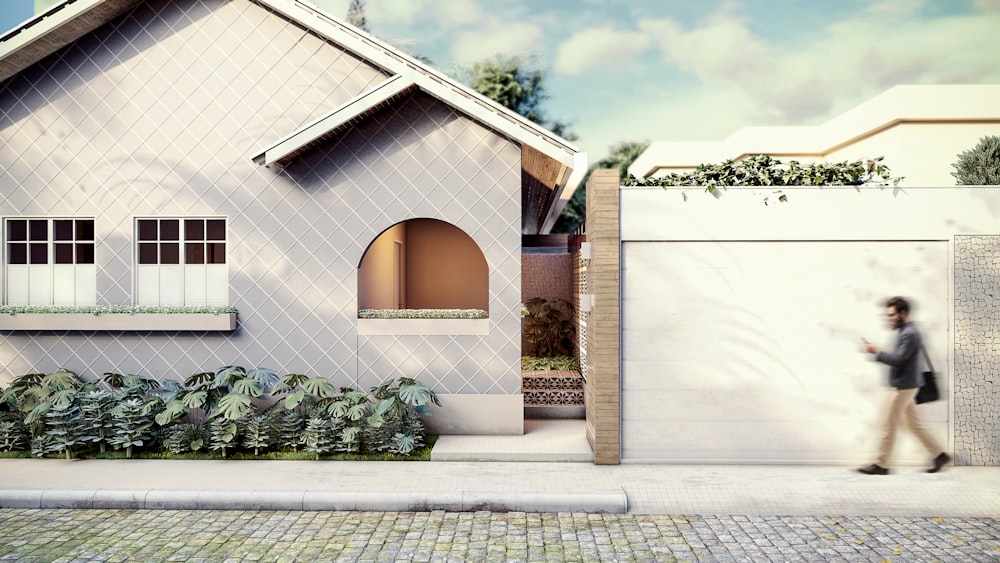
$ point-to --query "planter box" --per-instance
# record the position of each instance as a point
(369, 327)
(119, 321)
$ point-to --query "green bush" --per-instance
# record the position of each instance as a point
(229, 411)
(980, 165)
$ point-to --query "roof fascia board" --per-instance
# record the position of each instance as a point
(563, 194)
(429, 80)
(41, 24)
(393, 86)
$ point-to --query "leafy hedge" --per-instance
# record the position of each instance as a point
(422, 314)
(764, 170)
(229, 410)
(117, 310)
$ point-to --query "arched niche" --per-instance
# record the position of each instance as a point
(423, 264)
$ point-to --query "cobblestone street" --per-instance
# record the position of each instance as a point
(187, 535)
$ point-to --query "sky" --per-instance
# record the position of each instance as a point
(692, 70)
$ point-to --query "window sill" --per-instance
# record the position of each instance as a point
(373, 327)
(222, 322)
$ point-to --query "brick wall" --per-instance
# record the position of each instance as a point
(603, 391)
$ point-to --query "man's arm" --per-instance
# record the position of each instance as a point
(906, 348)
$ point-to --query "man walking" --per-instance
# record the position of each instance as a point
(906, 379)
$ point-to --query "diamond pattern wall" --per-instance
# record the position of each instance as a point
(159, 112)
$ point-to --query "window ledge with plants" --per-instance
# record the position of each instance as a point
(99, 318)
(373, 322)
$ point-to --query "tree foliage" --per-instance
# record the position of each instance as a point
(980, 165)
(356, 15)
(513, 82)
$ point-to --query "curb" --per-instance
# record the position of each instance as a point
(609, 502)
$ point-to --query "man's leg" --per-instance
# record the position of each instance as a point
(897, 405)
(916, 426)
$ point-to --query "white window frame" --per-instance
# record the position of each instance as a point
(49, 283)
(181, 283)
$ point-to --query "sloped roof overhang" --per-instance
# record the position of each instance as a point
(331, 124)
(53, 29)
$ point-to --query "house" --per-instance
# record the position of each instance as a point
(263, 155)
(919, 129)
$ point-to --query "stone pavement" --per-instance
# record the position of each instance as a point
(152, 510)
(184, 535)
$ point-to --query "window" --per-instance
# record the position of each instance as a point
(181, 261)
(49, 261)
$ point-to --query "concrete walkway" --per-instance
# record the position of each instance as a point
(497, 487)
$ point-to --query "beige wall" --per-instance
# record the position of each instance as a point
(375, 277)
(445, 268)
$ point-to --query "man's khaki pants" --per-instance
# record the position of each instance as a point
(903, 408)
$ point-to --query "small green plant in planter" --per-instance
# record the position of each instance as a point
(560, 363)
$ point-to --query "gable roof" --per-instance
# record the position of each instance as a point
(551, 166)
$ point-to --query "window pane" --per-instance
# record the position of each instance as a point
(17, 253)
(170, 252)
(39, 253)
(216, 229)
(84, 229)
(170, 229)
(17, 230)
(147, 253)
(147, 229)
(62, 229)
(194, 253)
(84, 253)
(38, 229)
(216, 252)
(64, 253)
(194, 229)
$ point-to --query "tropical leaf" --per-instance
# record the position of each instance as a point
(114, 380)
(294, 399)
(62, 379)
(199, 380)
(320, 387)
(173, 409)
(144, 384)
(416, 394)
(288, 382)
(225, 376)
(63, 398)
(356, 412)
(37, 413)
(194, 399)
(170, 390)
(404, 443)
(349, 434)
(268, 378)
(235, 406)
(249, 387)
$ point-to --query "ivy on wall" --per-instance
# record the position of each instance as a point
(764, 170)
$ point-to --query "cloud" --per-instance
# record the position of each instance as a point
(498, 37)
(596, 48)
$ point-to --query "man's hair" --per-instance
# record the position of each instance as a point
(899, 304)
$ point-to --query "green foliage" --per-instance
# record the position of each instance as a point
(422, 314)
(218, 411)
(621, 157)
(513, 82)
(763, 170)
(114, 310)
(550, 326)
(561, 363)
(980, 165)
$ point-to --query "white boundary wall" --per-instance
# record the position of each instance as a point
(742, 322)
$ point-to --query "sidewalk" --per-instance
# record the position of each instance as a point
(498, 487)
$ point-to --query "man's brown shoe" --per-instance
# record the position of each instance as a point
(940, 461)
(874, 469)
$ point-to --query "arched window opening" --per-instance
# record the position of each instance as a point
(423, 264)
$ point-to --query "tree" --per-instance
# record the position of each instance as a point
(511, 81)
(979, 166)
(621, 157)
(356, 15)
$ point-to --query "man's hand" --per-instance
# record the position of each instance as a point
(868, 347)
